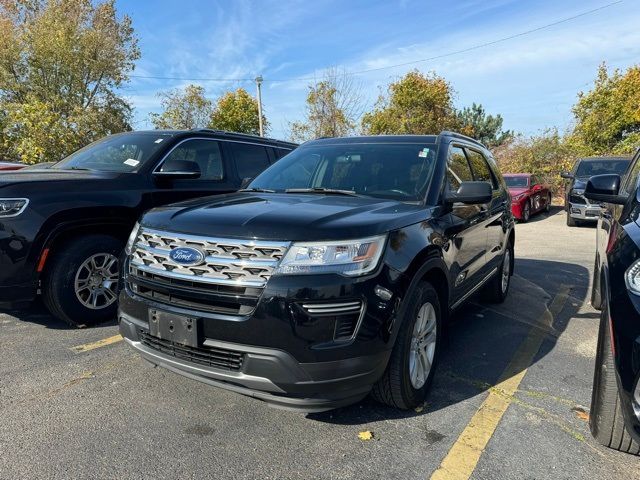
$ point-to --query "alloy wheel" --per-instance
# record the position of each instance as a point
(96, 282)
(423, 345)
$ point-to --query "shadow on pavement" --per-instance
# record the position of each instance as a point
(38, 314)
(482, 338)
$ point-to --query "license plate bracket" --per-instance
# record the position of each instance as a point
(174, 328)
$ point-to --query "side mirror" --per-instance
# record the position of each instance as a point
(604, 188)
(245, 182)
(178, 169)
(566, 175)
(473, 193)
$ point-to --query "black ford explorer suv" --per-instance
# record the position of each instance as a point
(62, 228)
(615, 404)
(579, 208)
(331, 275)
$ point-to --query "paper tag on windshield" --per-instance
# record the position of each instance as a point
(131, 162)
(159, 140)
(423, 153)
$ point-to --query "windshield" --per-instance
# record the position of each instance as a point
(589, 168)
(400, 171)
(117, 153)
(517, 182)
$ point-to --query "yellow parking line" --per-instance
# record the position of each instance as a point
(100, 343)
(465, 453)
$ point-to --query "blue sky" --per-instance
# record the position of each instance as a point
(532, 80)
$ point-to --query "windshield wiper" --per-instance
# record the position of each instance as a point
(260, 190)
(326, 191)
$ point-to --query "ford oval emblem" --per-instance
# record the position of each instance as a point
(186, 256)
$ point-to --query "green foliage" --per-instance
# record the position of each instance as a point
(237, 112)
(61, 63)
(487, 129)
(545, 155)
(415, 104)
(608, 116)
(333, 108)
(183, 109)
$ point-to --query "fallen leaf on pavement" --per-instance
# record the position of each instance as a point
(366, 435)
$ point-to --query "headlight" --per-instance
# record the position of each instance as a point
(352, 257)
(132, 239)
(578, 191)
(632, 278)
(517, 197)
(12, 207)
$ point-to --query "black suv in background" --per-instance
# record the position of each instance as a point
(63, 227)
(615, 403)
(579, 209)
(331, 275)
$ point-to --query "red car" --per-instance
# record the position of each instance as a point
(528, 195)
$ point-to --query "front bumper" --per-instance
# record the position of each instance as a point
(276, 353)
(579, 208)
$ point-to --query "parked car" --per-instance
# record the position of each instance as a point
(615, 403)
(9, 166)
(331, 275)
(579, 209)
(528, 195)
(64, 227)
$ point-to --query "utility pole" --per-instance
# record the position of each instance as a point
(258, 86)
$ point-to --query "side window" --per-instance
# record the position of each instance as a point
(481, 171)
(250, 159)
(206, 153)
(458, 170)
(281, 152)
(631, 182)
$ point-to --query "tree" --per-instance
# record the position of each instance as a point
(487, 129)
(61, 64)
(183, 109)
(237, 112)
(545, 155)
(415, 104)
(334, 105)
(608, 116)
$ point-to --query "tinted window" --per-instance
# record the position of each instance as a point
(458, 170)
(481, 170)
(250, 159)
(206, 153)
(281, 152)
(632, 178)
(517, 182)
(589, 168)
(387, 170)
(118, 153)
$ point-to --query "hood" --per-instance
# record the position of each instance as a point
(282, 216)
(513, 191)
(52, 175)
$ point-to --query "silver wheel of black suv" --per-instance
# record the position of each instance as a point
(412, 364)
(80, 285)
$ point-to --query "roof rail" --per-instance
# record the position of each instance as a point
(240, 135)
(461, 136)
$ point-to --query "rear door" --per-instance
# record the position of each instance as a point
(467, 229)
(250, 159)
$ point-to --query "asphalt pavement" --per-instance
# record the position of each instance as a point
(510, 398)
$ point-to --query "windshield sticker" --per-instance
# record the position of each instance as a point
(131, 162)
(423, 153)
(159, 140)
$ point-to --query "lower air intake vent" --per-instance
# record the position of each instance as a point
(346, 315)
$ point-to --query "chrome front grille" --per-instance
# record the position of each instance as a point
(235, 262)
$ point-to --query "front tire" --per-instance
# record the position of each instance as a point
(412, 364)
(80, 285)
(605, 419)
(571, 222)
(547, 208)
